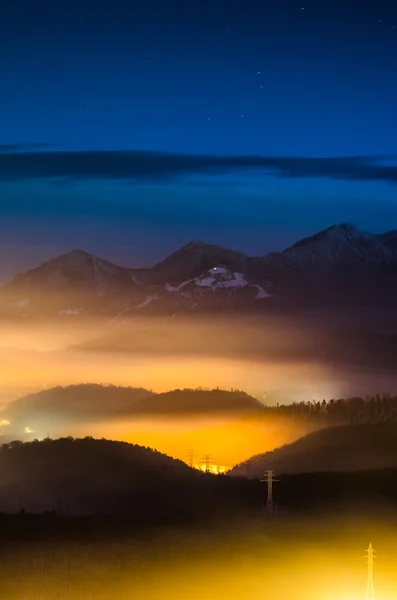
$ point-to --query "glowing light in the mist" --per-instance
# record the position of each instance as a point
(215, 469)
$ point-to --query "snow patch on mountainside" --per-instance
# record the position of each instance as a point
(176, 288)
(215, 278)
(119, 315)
(21, 303)
(148, 300)
(71, 312)
(221, 277)
(261, 293)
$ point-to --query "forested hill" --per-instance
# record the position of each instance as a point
(341, 448)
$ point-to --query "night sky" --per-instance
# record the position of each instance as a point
(128, 128)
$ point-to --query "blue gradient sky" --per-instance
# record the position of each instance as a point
(270, 78)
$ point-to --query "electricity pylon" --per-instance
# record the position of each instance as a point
(269, 480)
(191, 456)
(370, 555)
(207, 461)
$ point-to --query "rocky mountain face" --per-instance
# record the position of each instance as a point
(338, 265)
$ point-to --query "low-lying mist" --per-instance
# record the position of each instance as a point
(309, 559)
(203, 436)
(274, 358)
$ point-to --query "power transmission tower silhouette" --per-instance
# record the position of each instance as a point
(191, 456)
(269, 480)
(370, 555)
(207, 461)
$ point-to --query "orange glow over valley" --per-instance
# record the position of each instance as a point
(203, 437)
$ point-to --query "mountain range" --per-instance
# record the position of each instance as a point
(339, 265)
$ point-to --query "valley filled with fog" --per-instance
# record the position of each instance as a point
(275, 358)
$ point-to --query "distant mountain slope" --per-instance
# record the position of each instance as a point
(389, 239)
(340, 245)
(76, 268)
(192, 260)
(74, 284)
(343, 448)
(339, 263)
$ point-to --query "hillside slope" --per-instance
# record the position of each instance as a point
(343, 448)
(88, 476)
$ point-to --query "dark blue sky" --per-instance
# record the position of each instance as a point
(167, 121)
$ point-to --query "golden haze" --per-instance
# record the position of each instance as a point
(162, 355)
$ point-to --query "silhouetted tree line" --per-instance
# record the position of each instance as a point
(381, 408)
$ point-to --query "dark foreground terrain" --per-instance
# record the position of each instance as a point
(122, 521)
(147, 488)
(49, 557)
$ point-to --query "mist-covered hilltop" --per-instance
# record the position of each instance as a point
(88, 403)
(60, 407)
